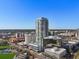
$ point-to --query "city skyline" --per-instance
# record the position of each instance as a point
(18, 14)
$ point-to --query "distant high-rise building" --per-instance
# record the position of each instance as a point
(41, 31)
(28, 38)
(77, 34)
(33, 37)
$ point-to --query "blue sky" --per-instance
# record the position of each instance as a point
(22, 14)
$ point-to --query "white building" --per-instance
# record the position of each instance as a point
(33, 37)
(27, 38)
(58, 53)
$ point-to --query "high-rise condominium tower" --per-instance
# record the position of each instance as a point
(41, 31)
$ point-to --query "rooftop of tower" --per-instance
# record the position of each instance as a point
(42, 18)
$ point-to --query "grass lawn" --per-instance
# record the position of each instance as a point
(7, 56)
(4, 47)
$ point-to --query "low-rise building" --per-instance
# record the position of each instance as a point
(57, 53)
